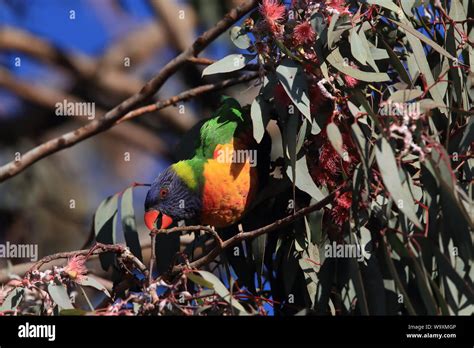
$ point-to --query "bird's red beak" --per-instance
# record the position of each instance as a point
(152, 215)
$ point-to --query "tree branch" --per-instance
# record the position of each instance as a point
(99, 248)
(186, 95)
(238, 238)
(109, 120)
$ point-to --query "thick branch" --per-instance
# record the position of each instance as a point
(109, 120)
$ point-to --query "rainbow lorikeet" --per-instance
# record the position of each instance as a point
(216, 186)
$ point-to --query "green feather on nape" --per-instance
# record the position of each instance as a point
(221, 127)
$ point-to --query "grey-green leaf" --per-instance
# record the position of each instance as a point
(391, 179)
(60, 296)
(337, 61)
(232, 62)
(129, 224)
(303, 179)
(12, 300)
(89, 281)
(335, 138)
(239, 38)
(222, 291)
(259, 112)
(293, 80)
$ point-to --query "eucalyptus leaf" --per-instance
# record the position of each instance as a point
(337, 61)
(13, 299)
(232, 62)
(391, 179)
(129, 224)
(239, 38)
(293, 80)
(60, 296)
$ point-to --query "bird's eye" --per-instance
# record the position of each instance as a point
(163, 192)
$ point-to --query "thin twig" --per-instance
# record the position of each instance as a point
(153, 255)
(99, 248)
(206, 229)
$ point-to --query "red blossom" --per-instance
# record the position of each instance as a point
(329, 166)
(341, 209)
(273, 12)
(281, 97)
(327, 170)
(339, 6)
(303, 33)
(317, 98)
(351, 82)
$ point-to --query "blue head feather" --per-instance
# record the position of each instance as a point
(180, 202)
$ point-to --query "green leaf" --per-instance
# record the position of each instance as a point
(303, 179)
(357, 47)
(393, 272)
(291, 134)
(318, 22)
(60, 296)
(422, 281)
(331, 34)
(222, 291)
(405, 95)
(391, 179)
(239, 38)
(422, 62)
(446, 269)
(200, 280)
(407, 6)
(337, 61)
(457, 13)
(366, 47)
(309, 263)
(105, 226)
(260, 114)
(388, 4)
(92, 282)
(232, 62)
(258, 253)
(129, 224)
(301, 138)
(335, 138)
(12, 300)
(405, 25)
(315, 221)
(396, 63)
(293, 80)
(467, 135)
(356, 277)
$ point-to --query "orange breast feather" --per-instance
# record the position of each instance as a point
(229, 188)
